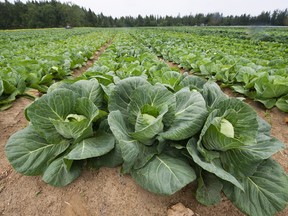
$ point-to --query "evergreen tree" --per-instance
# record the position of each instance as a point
(44, 14)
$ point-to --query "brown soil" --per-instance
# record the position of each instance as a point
(106, 192)
(173, 65)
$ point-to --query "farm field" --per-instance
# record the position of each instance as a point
(35, 59)
(253, 62)
(148, 100)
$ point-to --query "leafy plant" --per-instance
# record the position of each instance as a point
(255, 72)
(141, 117)
(36, 59)
(165, 129)
(61, 133)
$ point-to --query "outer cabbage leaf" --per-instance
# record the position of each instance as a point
(190, 115)
(29, 153)
(164, 175)
(193, 82)
(268, 103)
(211, 167)
(213, 94)
(146, 153)
(282, 103)
(111, 159)
(169, 79)
(5, 102)
(266, 191)
(240, 89)
(209, 189)
(129, 147)
(244, 160)
(9, 86)
(96, 146)
(5, 106)
(59, 175)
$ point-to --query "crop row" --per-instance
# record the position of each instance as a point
(126, 57)
(253, 34)
(165, 129)
(257, 70)
(35, 59)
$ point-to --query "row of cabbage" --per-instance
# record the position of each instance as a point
(254, 34)
(35, 59)
(125, 57)
(165, 130)
(257, 70)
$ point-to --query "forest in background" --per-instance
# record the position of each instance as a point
(49, 14)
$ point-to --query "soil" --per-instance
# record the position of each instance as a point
(105, 192)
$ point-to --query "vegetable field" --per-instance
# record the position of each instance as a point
(147, 124)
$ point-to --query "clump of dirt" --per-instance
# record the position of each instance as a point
(179, 210)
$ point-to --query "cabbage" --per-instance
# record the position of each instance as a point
(226, 128)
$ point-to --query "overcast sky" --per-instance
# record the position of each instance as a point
(117, 8)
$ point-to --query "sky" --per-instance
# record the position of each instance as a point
(118, 8)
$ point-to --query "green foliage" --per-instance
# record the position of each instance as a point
(61, 132)
(209, 189)
(37, 59)
(267, 187)
(245, 64)
(165, 129)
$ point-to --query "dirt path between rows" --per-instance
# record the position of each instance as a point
(105, 192)
(77, 72)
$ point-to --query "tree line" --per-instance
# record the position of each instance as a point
(48, 14)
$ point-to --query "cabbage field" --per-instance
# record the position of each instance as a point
(152, 103)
